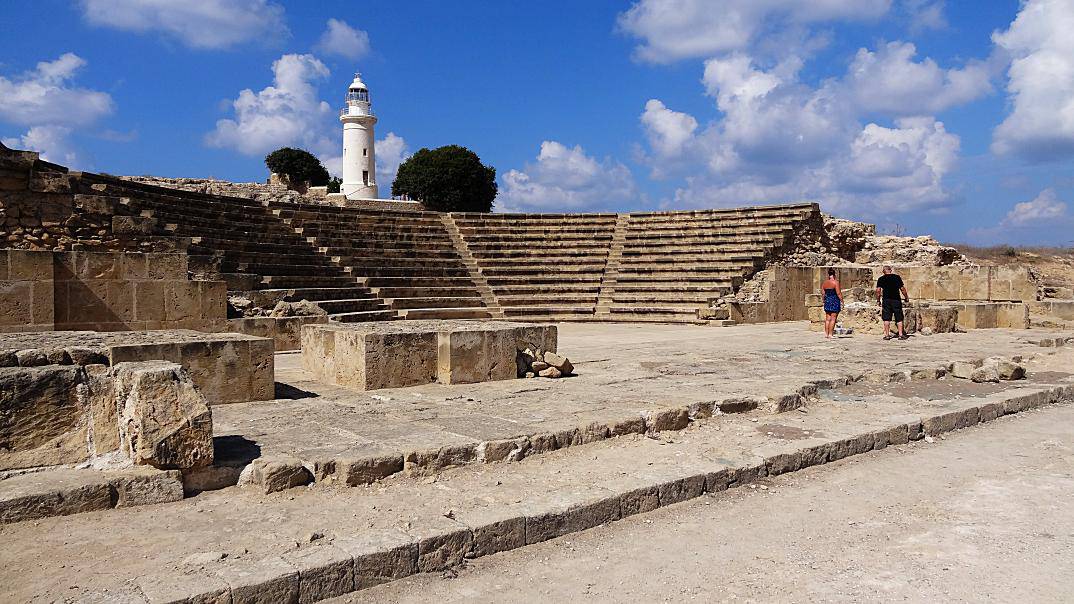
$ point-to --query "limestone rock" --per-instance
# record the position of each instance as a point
(539, 366)
(163, 420)
(1010, 371)
(550, 372)
(963, 369)
(986, 373)
(280, 474)
(302, 308)
(561, 363)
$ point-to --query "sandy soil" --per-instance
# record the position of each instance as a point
(983, 515)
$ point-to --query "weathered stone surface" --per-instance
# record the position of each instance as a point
(380, 556)
(42, 419)
(1010, 371)
(164, 420)
(368, 470)
(148, 488)
(324, 571)
(184, 587)
(267, 581)
(561, 363)
(986, 373)
(274, 475)
(964, 369)
(550, 372)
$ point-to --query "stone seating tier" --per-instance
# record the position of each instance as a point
(362, 263)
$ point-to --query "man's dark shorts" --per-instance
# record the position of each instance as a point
(891, 307)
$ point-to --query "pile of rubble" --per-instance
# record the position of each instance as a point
(992, 369)
(918, 251)
(265, 193)
(239, 306)
(535, 363)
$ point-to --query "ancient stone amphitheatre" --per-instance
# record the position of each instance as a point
(223, 393)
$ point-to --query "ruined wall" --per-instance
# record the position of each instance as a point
(105, 291)
(40, 209)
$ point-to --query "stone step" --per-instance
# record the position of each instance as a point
(445, 313)
(662, 298)
(435, 302)
(363, 316)
(410, 272)
(547, 311)
(426, 292)
(316, 294)
(654, 310)
(491, 271)
(289, 281)
(295, 269)
(337, 306)
(546, 299)
(417, 281)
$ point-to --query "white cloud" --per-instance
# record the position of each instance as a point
(1041, 82)
(925, 15)
(196, 23)
(50, 141)
(1044, 208)
(45, 96)
(46, 103)
(565, 178)
(391, 151)
(779, 140)
(343, 40)
(681, 29)
(287, 113)
(890, 81)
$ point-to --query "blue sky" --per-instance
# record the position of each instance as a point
(953, 118)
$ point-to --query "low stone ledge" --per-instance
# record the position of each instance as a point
(285, 332)
(226, 367)
(64, 492)
(385, 554)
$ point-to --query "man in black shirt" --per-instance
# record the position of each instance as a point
(888, 288)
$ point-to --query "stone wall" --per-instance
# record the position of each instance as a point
(40, 211)
(105, 291)
(273, 193)
(968, 283)
(267, 193)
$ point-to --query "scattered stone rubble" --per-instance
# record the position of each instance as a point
(263, 192)
(919, 251)
(535, 363)
(992, 369)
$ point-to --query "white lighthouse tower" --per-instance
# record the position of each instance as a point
(359, 161)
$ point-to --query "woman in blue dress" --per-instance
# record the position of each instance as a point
(833, 303)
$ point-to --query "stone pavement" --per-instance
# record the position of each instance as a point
(307, 544)
(631, 378)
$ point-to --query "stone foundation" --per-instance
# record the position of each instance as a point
(392, 354)
(227, 368)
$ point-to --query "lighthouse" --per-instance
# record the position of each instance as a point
(359, 161)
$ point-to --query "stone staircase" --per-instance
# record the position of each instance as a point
(541, 266)
(243, 243)
(674, 263)
(375, 264)
(407, 259)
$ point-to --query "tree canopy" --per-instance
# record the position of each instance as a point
(298, 165)
(447, 179)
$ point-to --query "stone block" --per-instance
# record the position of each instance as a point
(267, 581)
(149, 301)
(184, 587)
(164, 421)
(380, 556)
(26, 265)
(273, 475)
(367, 470)
(43, 416)
(324, 571)
(499, 536)
(147, 488)
(566, 513)
(644, 499)
(16, 304)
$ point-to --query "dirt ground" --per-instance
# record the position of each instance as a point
(982, 515)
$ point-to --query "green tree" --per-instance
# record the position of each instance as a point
(298, 165)
(447, 179)
(334, 184)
